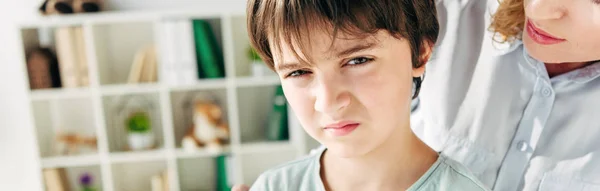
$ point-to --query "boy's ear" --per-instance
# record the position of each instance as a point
(425, 54)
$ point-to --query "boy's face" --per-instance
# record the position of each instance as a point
(354, 95)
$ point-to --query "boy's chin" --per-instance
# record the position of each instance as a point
(346, 151)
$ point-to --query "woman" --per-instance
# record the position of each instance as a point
(516, 94)
(520, 114)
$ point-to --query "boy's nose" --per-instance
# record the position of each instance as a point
(545, 9)
(331, 98)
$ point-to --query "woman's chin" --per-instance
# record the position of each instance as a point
(551, 53)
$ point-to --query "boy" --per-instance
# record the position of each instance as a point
(348, 69)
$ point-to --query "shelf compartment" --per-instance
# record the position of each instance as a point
(119, 111)
(183, 110)
(72, 178)
(126, 52)
(246, 65)
(65, 127)
(255, 108)
(139, 176)
(210, 173)
(56, 57)
(191, 50)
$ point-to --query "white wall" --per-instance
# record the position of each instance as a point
(18, 152)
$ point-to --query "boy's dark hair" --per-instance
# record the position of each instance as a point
(271, 22)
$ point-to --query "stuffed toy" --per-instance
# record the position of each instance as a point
(70, 143)
(87, 6)
(50, 7)
(208, 129)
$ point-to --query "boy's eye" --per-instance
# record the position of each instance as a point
(297, 73)
(359, 60)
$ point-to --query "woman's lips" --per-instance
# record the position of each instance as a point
(541, 37)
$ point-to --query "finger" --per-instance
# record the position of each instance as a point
(240, 187)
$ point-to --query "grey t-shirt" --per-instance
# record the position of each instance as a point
(303, 175)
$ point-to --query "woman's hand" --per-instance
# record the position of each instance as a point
(240, 187)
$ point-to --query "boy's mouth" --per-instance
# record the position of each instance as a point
(341, 128)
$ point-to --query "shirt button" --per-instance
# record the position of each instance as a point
(546, 92)
(522, 146)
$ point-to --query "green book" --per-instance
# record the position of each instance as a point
(223, 181)
(209, 56)
(277, 127)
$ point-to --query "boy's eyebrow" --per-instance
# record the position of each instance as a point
(355, 48)
(288, 66)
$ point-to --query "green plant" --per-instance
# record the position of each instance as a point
(253, 55)
(86, 181)
(138, 122)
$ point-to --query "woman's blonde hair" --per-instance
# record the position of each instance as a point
(508, 21)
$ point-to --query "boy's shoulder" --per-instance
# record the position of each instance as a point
(299, 174)
(447, 174)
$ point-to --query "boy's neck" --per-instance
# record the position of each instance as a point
(395, 165)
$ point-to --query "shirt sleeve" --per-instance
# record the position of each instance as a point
(261, 183)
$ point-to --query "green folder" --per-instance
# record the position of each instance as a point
(277, 127)
(209, 56)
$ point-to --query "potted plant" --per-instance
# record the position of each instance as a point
(86, 182)
(139, 130)
(259, 68)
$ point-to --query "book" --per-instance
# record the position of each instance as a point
(156, 183)
(224, 172)
(72, 56)
(277, 123)
(160, 182)
(67, 59)
(143, 68)
(81, 57)
(188, 72)
(56, 179)
(178, 66)
(166, 41)
(208, 53)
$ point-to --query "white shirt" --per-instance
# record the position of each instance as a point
(494, 109)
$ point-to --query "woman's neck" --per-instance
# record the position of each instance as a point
(555, 69)
(394, 165)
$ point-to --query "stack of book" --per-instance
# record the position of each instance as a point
(67, 67)
(72, 58)
(190, 52)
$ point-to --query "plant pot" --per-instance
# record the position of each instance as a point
(260, 69)
(140, 141)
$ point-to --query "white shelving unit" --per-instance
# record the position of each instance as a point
(111, 41)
